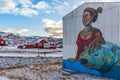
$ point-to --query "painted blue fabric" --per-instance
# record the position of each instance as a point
(77, 67)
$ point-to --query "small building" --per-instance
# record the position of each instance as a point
(42, 43)
(2, 42)
(11, 35)
(29, 46)
(52, 45)
(59, 44)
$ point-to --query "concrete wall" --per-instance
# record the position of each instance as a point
(107, 22)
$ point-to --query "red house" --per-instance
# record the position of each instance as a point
(52, 47)
(29, 46)
(2, 42)
(42, 44)
(11, 35)
(59, 44)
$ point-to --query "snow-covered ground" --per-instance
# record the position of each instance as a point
(10, 62)
(18, 64)
(3, 78)
(34, 64)
(46, 71)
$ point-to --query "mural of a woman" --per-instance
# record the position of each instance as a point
(96, 55)
(90, 35)
(97, 51)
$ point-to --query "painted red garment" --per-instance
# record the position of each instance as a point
(81, 43)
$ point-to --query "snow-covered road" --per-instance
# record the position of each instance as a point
(15, 52)
(55, 54)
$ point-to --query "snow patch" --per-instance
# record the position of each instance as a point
(3, 78)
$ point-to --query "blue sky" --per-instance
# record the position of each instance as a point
(36, 17)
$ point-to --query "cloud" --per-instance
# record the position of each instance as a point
(7, 6)
(13, 30)
(52, 23)
(27, 12)
(56, 0)
(22, 31)
(24, 3)
(41, 5)
(61, 8)
(22, 7)
(54, 31)
(9, 30)
(47, 11)
(29, 9)
(53, 28)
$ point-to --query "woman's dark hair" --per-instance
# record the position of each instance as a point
(93, 12)
(95, 18)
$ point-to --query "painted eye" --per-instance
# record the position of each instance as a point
(85, 15)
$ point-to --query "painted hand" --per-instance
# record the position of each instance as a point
(96, 43)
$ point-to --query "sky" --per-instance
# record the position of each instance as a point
(37, 17)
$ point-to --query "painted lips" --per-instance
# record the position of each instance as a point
(86, 20)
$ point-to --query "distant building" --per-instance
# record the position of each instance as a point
(11, 36)
(59, 44)
(3, 34)
(2, 42)
(29, 46)
(42, 43)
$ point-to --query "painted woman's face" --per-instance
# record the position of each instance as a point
(86, 18)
